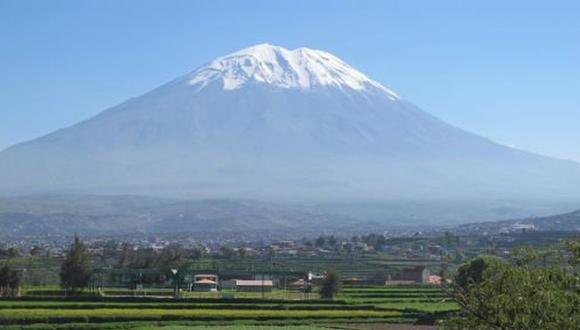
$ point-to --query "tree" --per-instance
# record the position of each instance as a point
(450, 239)
(320, 241)
(331, 285)
(9, 281)
(110, 252)
(76, 271)
(242, 252)
(227, 252)
(9, 253)
(37, 251)
(332, 241)
(472, 272)
(173, 256)
(533, 290)
(197, 253)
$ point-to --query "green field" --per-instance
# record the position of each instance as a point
(44, 305)
(198, 311)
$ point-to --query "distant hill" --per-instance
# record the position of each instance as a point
(561, 222)
(110, 215)
(118, 215)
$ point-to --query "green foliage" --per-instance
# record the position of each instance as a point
(332, 241)
(173, 256)
(124, 312)
(9, 281)
(331, 285)
(20, 316)
(9, 253)
(450, 239)
(37, 251)
(472, 273)
(534, 290)
(227, 252)
(320, 241)
(197, 253)
(242, 252)
(76, 271)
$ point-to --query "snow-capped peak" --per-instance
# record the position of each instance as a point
(301, 68)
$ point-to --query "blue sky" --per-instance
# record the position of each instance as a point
(507, 70)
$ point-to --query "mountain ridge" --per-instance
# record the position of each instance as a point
(567, 222)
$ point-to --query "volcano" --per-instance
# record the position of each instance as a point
(282, 125)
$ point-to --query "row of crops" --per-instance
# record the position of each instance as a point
(354, 305)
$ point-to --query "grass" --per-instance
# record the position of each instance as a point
(44, 304)
(26, 313)
(280, 310)
(169, 326)
(422, 307)
(9, 305)
(236, 327)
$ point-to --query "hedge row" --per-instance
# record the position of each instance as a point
(240, 323)
(91, 306)
(167, 293)
(396, 295)
(145, 299)
(204, 318)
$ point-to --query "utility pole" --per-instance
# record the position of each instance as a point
(176, 280)
(262, 285)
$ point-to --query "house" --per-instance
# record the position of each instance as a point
(250, 285)
(435, 280)
(315, 278)
(205, 282)
(408, 276)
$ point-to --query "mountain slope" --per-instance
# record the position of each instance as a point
(561, 222)
(277, 124)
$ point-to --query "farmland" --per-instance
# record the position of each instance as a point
(362, 305)
(143, 288)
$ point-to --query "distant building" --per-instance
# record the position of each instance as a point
(205, 282)
(249, 285)
(408, 276)
(435, 280)
(523, 227)
(315, 278)
(284, 244)
(354, 281)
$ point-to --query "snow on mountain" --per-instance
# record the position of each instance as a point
(301, 68)
(276, 124)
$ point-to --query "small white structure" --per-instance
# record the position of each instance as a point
(205, 282)
(523, 227)
(249, 285)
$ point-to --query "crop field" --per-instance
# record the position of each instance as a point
(44, 305)
(360, 305)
